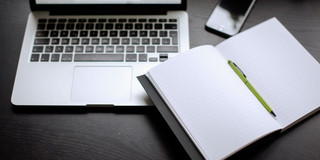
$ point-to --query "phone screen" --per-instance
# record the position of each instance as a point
(229, 15)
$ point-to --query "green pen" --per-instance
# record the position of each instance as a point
(242, 76)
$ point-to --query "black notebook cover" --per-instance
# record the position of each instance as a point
(177, 129)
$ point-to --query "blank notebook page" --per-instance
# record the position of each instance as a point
(277, 65)
(210, 101)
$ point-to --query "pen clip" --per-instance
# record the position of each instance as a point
(239, 70)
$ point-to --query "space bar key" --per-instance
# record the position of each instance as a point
(99, 57)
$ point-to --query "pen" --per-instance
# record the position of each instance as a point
(243, 77)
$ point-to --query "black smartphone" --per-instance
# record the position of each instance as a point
(228, 17)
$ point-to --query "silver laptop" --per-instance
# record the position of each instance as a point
(89, 52)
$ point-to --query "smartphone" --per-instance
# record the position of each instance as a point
(228, 17)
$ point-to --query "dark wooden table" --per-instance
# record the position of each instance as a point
(139, 133)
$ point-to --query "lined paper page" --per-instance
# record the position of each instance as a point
(281, 70)
(211, 102)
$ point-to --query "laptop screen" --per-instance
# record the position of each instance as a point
(108, 6)
(108, 1)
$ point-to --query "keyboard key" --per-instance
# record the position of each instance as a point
(59, 49)
(82, 20)
(75, 41)
(163, 57)
(80, 26)
(138, 26)
(74, 34)
(153, 59)
(143, 57)
(55, 41)
(99, 57)
(131, 57)
(62, 20)
(119, 26)
(99, 26)
(153, 33)
(83, 33)
(163, 33)
(105, 41)
(155, 41)
(123, 33)
(42, 41)
(173, 20)
(158, 26)
(99, 49)
(45, 57)
(52, 20)
(167, 49)
(92, 20)
(89, 26)
(151, 49)
(69, 49)
(64, 33)
(148, 26)
(135, 41)
(130, 49)
(95, 41)
(103, 33)
(89, 49)
(49, 49)
(54, 33)
(65, 41)
(170, 26)
(142, 20)
(162, 20)
(125, 41)
(110, 49)
(145, 41)
(79, 49)
(174, 37)
(143, 33)
(109, 26)
(35, 57)
(85, 41)
(140, 49)
(70, 26)
(42, 34)
(122, 20)
(132, 20)
(133, 33)
(41, 26)
(93, 33)
(129, 26)
(37, 49)
(112, 20)
(51, 26)
(165, 41)
(102, 20)
(152, 20)
(42, 20)
(119, 49)
(60, 26)
(66, 58)
(55, 57)
(115, 41)
(113, 33)
(72, 20)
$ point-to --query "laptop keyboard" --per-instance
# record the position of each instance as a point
(105, 40)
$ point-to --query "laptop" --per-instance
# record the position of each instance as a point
(89, 52)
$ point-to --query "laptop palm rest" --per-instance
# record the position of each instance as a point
(101, 85)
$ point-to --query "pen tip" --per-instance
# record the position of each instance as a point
(273, 113)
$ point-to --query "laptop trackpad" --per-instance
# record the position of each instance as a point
(101, 85)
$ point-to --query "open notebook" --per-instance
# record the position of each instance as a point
(216, 109)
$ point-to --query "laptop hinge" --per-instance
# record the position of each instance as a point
(100, 105)
(100, 12)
